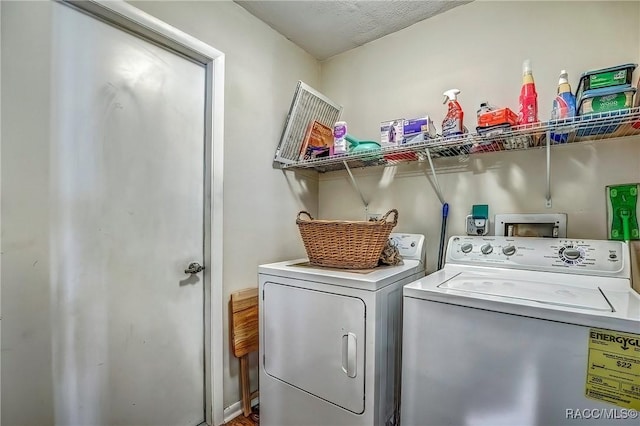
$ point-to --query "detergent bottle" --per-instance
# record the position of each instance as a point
(453, 121)
(564, 106)
(528, 108)
(340, 145)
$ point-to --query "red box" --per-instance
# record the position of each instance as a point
(496, 117)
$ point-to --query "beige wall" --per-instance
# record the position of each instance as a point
(403, 74)
(27, 372)
(479, 48)
(260, 204)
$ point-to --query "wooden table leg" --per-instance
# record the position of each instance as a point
(244, 385)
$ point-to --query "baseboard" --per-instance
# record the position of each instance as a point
(235, 409)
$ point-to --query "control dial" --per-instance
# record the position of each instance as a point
(509, 250)
(571, 255)
(466, 247)
(486, 249)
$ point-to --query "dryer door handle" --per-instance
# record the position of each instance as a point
(349, 352)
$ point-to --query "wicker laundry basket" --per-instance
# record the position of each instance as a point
(345, 244)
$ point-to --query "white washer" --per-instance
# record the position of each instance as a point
(330, 340)
(501, 335)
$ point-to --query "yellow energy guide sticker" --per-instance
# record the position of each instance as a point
(613, 370)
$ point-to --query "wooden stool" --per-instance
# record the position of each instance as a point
(243, 324)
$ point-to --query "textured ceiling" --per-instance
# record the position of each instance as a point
(327, 27)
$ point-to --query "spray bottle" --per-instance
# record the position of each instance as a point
(528, 111)
(453, 121)
(564, 106)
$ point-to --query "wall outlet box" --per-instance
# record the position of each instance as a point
(547, 225)
(477, 226)
(372, 217)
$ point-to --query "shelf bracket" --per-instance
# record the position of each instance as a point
(355, 185)
(436, 184)
(548, 149)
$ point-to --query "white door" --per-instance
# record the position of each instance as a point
(316, 342)
(123, 187)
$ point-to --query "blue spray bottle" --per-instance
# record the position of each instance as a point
(564, 106)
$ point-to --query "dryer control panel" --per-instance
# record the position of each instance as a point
(575, 256)
(410, 246)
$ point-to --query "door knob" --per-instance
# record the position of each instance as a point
(194, 268)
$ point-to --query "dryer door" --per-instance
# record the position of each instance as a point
(315, 341)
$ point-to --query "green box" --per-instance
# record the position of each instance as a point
(620, 75)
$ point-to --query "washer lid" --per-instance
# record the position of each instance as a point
(548, 293)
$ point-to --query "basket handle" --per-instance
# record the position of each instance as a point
(307, 213)
(395, 218)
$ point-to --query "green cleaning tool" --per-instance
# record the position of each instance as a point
(358, 146)
(622, 212)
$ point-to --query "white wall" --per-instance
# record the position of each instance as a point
(479, 48)
(260, 204)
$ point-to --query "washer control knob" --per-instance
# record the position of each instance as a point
(509, 250)
(486, 249)
(571, 253)
(466, 247)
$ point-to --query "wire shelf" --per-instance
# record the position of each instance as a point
(592, 127)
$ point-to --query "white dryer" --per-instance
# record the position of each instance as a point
(523, 331)
(330, 340)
